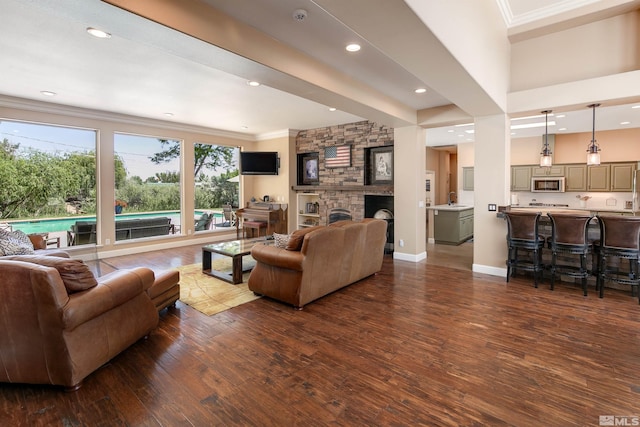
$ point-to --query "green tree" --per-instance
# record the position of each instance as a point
(120, 171)
(8, 149)
(31, 180)
(168, 177)
(206, 156)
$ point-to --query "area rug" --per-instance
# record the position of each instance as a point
(210, 295)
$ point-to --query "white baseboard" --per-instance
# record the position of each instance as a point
(410, 257)
(487, 269)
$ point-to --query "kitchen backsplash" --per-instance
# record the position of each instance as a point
(596, 201)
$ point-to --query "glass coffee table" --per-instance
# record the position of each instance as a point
(234, 249)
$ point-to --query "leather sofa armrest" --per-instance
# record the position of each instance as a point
(113, 289)
(278, 257)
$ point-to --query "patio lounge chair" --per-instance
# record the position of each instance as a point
(228, 217)
(204, 222)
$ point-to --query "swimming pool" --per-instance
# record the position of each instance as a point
(51, 225)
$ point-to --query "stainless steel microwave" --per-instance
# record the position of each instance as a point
(547, 184)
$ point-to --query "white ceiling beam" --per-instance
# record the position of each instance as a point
(297, 73)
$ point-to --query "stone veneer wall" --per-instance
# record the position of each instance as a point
(359, 135)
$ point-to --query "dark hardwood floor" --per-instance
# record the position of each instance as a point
(417, 344)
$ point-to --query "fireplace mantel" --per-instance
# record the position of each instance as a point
(365, 189)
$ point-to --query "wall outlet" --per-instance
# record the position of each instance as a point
(107, 241)
(401, 243)
(492, 207)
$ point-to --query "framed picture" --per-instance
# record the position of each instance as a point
(381, 161)
(310, 169)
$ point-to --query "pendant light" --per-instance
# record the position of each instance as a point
(593, 151)
(545, 155)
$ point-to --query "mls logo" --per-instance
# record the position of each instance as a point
(612, 420)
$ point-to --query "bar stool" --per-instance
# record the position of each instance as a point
(569, 236)
(619, 238)
(254, 225)
(523, 234)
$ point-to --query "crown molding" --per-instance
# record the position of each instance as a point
(85, 113)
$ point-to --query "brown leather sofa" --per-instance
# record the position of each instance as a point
(318, 261)
(59, 323)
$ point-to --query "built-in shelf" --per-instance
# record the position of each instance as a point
(367, 189)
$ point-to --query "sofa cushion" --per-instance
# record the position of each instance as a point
(74, 273)
(281, 240)
(15, 243)
(297, 237)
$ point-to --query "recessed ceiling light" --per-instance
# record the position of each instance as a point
(562, 129)
(625, 123)
(332, 108)
(420, 90)
(168, 114)
(253, 83)
(245, 127)
(98, 33)
(450, 131)
(353, 47)
(47, 93)
(559, 116)
(636, 106)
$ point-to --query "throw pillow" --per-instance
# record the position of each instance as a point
(15, 243)
(297, 237)
(281, 240)
(74, 273)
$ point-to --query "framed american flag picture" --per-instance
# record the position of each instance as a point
(337, 156)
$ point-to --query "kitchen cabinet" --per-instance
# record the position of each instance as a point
(575, 178)
(453, 226)
(555, 170)
(622, 176)
(599, 177)
(579, 177)
(520, 178)
(308, 210)
(467, 178)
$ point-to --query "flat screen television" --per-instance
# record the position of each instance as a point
(259, 163)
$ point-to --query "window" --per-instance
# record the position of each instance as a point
(47, 173)
(217, 184)
(147, 186)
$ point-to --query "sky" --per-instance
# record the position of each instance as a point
(134, 150)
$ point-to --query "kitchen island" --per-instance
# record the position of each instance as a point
(452, 224)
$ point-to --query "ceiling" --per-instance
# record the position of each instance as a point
(151, 71)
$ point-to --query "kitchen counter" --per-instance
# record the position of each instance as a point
(452, 208)
(592, 209)
(574, 210)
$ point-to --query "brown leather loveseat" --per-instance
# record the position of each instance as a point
(318, 261)
(59, 323)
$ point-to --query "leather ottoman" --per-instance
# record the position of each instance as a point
(165, 291)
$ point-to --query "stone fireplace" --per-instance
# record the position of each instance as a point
(346, 187)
